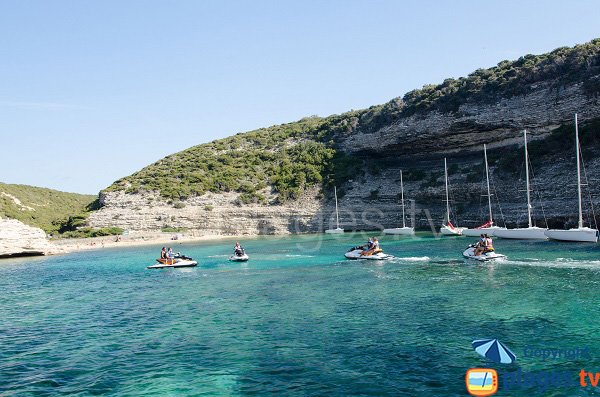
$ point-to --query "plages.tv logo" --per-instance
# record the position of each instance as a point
(482, 382)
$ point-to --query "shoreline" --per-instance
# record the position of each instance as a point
(67, 246)
(137, 239)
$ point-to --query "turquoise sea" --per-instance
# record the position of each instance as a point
(296, 320)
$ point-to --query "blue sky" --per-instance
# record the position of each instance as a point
(92, 91)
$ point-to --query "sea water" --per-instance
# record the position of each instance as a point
(296, 320)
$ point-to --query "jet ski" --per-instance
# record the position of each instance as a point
(486, 256)
(239, 257)
(357, 253)
(177, 261)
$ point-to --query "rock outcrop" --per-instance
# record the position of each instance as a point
(19, 239)
(210, 214)
(417, 143)
(497, 124)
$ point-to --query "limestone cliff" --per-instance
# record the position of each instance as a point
(362, 152)
(19, 239)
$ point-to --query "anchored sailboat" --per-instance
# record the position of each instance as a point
(448, 229)
(488, 227)
(525, 233)
(404, 229)
(580, 233)
(338, 229)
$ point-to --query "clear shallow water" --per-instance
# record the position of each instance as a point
(297, 320)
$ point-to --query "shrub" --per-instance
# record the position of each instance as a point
(171, 229)
(87, 232)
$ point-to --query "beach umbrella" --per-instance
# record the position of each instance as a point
(494, 350)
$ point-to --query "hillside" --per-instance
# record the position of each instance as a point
(40, 207)
(292, 156)
(258, 177)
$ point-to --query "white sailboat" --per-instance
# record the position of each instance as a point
(338, 229)
(524, 233)
(448, 229)
(488, 227)
(580, 233)
(405, 230)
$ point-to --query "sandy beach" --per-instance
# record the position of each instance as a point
(133, 239)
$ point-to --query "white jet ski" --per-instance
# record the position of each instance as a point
(356, 253)
(486, 256)
(177, 261)
(239, 258)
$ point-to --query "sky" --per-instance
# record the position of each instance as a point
(92, 91)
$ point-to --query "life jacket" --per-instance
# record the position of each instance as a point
(488, 244)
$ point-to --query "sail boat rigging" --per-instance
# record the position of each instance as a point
(448, 229)
(404, 229)
(488, 227)
(338, 229)
(530, 232)
(580, 233)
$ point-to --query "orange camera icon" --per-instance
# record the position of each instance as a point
(481, 382)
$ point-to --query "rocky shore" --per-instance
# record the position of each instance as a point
(19, 239)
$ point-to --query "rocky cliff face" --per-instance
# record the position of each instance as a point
(497, 124)
(19, 239)
(416, 144)
(210, 214)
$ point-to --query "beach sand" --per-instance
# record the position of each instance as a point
(131, 240)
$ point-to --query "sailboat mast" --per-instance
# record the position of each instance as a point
(527, 177)
(578, 172)
(487, 177)
(337, 218)
(447, 197)
(402, 198)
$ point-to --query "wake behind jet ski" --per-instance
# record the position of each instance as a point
(370, 251)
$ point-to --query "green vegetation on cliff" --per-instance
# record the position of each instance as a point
(40, 207)
(286, 157)
(290, 157)
(509, 78)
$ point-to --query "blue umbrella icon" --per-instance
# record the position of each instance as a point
(494, 350)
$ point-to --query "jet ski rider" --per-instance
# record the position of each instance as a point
(372, 247)
(237, 249)
(484, 245)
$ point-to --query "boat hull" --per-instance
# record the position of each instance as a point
(400, 231)
(469, 253)
(584, 234)
(335, 231)
(356, 254)
(490, 231)
(448, 231)
(239, 258)
(526, 233)
(177, 264)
